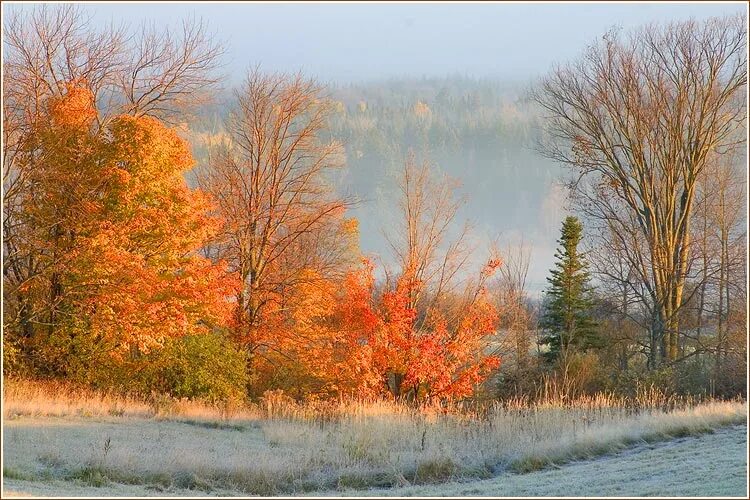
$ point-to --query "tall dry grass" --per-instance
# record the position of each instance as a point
(279, 446)
(34, 398)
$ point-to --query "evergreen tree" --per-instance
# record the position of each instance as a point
(567, 319)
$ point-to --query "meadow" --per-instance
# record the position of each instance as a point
(64, 436)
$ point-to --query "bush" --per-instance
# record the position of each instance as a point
(435, 470)
(731, 377)
(585, 374)
(692, 377)
(205, 367)
(628, 383)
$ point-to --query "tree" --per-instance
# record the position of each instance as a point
(418, 336)
(46, 50)
(330, 352)
(720, 258)
(513, 301)
(639, 119)
(517, 321)
(283, 222)
(114, 233)
(426, 257)
(432, 339)
(622, 299)
(567, 318)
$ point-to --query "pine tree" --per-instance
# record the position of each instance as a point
(567, 320)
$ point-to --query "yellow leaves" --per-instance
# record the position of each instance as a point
(122, 176)
(350, 235)
(128, 227)
(313, 298)
(351, 226)
(90, 207)
(338, 107)
(158, 150)
(422, 110)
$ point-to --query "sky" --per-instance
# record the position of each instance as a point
(342, 42)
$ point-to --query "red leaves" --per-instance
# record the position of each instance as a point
(355, 309)
(491, 266)
(439, 358)
(124, 259)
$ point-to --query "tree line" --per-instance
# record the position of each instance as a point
(117, 273)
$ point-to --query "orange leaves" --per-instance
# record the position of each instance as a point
(120, 233)
(430, 356)
(492, 265)
(76, 109)
(161, 223)
(481, 316)
(355, 310)
(313, 297)
(145, 140)
(123, 254)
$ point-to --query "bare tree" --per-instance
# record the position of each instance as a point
(624, 300)
(420, 241)
(272, 187)
(155, 72)
(720, 232)
(513, 300)
(639, 120)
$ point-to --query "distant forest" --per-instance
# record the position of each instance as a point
(483, 132)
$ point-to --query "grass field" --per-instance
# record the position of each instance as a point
(713, 464)
(66, 443)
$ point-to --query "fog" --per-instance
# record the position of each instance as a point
(355, 42)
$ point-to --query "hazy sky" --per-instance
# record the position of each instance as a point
(343, 42)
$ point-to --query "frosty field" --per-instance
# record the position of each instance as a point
(706, 465)
(587, 447)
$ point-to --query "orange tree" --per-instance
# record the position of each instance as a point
(113, 232)
(373, 344)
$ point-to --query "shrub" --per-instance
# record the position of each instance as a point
(12, 364)
(206, 367)
(435, 470)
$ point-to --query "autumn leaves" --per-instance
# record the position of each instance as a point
(307, 309)
(125, 255)
(113, 232)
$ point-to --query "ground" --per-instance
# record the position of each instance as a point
(713, 464)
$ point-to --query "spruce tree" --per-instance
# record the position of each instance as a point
(567, 321)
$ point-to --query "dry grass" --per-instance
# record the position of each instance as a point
(281, 447)
(27, 398)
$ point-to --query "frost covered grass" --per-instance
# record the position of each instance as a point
(279, 447)
(713, 464)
